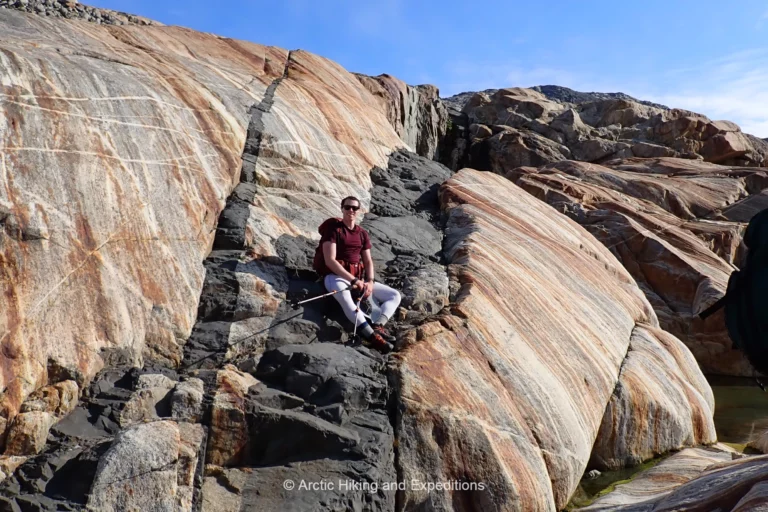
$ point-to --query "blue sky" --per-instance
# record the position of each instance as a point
(703, 55)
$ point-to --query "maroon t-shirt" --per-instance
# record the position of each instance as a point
(350, 243)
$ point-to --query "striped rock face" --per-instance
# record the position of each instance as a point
(676, 225)
(118, 149)
(509, 391)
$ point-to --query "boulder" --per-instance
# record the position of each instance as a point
(28, 432)
(227, 436)
(9, 463)
(187, 400)
(149, 465)
(602, 113)
(149, 401)
(512, 148)
(597, 149)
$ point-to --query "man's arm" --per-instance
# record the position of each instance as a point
(368, 262)
(329, 253)
(369, 273)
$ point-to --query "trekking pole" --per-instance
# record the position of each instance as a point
(241, 340)
(295, 305)
(357, 309)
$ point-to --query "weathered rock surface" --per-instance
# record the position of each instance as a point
(29, 429)
(89, 288)
(676, 225)
(319, 411)
(598, 130)
(545, 313)
(726, 485)
(150, 401)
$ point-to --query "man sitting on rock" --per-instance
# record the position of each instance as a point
(346, 250)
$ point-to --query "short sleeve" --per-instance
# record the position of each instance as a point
(331, 236)
(366, 240)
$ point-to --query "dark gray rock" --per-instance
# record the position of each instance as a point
(327, 420)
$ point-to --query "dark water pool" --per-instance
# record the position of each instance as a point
(741, 409)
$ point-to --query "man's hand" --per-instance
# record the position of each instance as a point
(367, 290)
(358, 284)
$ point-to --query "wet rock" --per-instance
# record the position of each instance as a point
(643, 493)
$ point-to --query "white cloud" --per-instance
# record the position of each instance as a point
(733, 87)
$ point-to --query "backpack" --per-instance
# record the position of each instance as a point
(746, 299)
(318, 262)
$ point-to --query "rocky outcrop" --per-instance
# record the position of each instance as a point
(519, 323)
(126, 255)
(416, 113)
(73, 9)
(676, 225)
(203, 388)
(603, 129)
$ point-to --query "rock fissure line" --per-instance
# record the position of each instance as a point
(164, 467)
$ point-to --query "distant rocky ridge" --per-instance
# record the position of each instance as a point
(72, 9)
(555, 93)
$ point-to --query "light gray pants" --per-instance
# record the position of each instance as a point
(384, 300)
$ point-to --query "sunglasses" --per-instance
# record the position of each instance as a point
(351, 207)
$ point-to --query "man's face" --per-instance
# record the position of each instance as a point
(350, 210)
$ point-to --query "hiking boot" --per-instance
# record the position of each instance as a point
(380, 344)
(384, 333)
